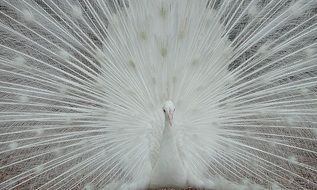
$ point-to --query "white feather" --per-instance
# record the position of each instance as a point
(82, 84)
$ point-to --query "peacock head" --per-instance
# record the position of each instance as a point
(169, 110)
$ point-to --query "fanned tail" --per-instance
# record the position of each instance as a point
(82, 84)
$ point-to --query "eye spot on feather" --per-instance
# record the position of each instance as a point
(200, 88)
(131, 92)
(88, 187)
(114, 21)
(310, 52)
(13, 145)
(175, 80)
(64, 55)
(62, 89)
(27, 15)
(99, 54)
(181, 34)
(57, 152)
(273, 143)
(305, 91)
(264, 48)
(252, 11)
(19, 61)
(296, 9)
(132, 64)
(23, 98)
(163, 51)
(315, 131)
(293, 159)
(275, 186)
(38, 169)
(163, 12)
(153, 81)
(245, 181)
(265, 79)
(39, 131)
(143, 35)
(230, 79)
(215, 123)
(195, 62)
(77, 12)
(68, 120)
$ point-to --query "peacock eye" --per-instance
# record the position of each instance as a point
(164, 110)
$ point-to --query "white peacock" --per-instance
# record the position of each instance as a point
(82, 85)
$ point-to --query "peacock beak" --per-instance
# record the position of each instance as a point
(170, 118)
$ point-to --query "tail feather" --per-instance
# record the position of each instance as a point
(83, 82)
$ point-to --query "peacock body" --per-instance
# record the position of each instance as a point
(83, 83)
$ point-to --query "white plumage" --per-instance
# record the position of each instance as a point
(82, 85)
(169, 168)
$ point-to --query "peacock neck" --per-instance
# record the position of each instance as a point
(169, 169)
(168, 132)
(168, 141)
